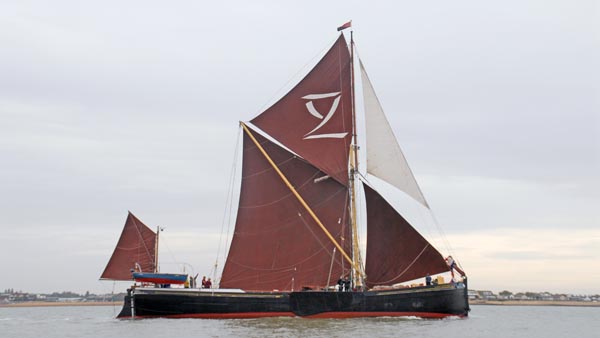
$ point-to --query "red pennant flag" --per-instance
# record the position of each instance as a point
(344, 26)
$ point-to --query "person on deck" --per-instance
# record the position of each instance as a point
(452, 264)
(208, 284)
(204, 282)
(428, 280)
(340, 284)
(347, 284)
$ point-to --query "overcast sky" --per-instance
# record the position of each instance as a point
(134, 105)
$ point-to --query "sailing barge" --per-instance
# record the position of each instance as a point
(296, 227)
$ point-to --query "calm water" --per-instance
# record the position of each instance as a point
(485, 321)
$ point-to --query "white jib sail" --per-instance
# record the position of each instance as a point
(385, 159)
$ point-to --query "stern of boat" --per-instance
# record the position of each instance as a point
(126, 310)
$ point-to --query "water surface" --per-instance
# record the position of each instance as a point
(484, 321)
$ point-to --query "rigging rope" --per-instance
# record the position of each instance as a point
(444, 238)
(164, 241)
(228, 206)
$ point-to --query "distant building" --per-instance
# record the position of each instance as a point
(487, 295)
(473, 295)
(521, 296)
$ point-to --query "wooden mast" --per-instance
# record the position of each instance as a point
(356, 261)
(156, 250)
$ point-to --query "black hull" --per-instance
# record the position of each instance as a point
(425, 302)
(428, 302)
(203, 304)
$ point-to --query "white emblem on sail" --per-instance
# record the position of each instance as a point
(314, 112)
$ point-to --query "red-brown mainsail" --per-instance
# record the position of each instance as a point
(276, 244)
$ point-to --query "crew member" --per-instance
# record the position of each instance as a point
(347, 284)
(452, 264)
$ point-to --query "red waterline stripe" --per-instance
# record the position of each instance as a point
(382, 314)
(248, 315)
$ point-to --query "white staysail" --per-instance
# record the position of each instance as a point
(384, 157)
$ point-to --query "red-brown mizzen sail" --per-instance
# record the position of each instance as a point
(276, 244)
(396, 252)
(135, 250)
(314, 119)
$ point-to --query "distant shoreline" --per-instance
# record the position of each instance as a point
(534, 303)
(50, 304)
